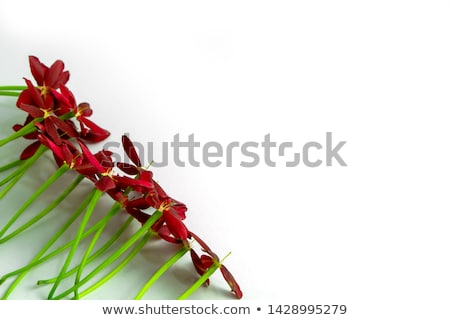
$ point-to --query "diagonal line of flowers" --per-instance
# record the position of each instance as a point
(56, 122)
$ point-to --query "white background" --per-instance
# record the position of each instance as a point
(372, 235)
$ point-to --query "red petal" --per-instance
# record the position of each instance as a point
(165, 234)
(52, 146)
(65, 100)
(94, 127)
(231, 282)
(84, 109)
(29, 151)
(204, 246)
(64, 77)
(33, 111)
(49, 102)
(161, 193)
(127, 168)
(158, 224)
(179, 209)
(38, 69)
(24, 97)
(51, 131)
(130, 182)
(53, 76)
(96, 134)
(68, 156)
(140, 216)
(130, 150)
(90, 157)
(198, 264)
(86, 169)
(104, 158)
(140, 203)
(175, 225)
(65, 127)
(118, 196)
(40, 127)
(35, 94)
(207, 261)
(146, 175)
(105, 183)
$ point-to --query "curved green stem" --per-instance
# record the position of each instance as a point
(177, 256)
(55, 176)
(14, 177)
(112, 212)
(197, 284)
(9, 93)
(11, 165)
(96, 254)
(37, 259)
(28, 128)
(144, 229)
(25, 165)
(63, 248)
(118, 268)
(84, 222)
(44, 212)
(13, 88)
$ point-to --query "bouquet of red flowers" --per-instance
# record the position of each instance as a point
(56, 123)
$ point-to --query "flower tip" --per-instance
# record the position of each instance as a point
(234, 286)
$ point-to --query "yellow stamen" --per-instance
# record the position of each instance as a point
(47, 113)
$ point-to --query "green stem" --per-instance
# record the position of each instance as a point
(118, 268)
(15, 88)
(8, 188)
(55, 176)
(197, 284)
(147, 225)
(44, 212)
(25, 164)
(9, 93)
(19, 172)
(69, 244)
(177, 256)
(28, 128)
(11, 165)
(112, 212)
(96, 254)
(37, 259)
(84, 222)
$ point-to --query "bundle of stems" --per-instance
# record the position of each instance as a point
(56, 124)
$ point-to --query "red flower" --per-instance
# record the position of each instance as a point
(45, 101)
(174, 221)
(46, 77)
(89, 131)
(32, 101)
(106, 179)
(203, 263)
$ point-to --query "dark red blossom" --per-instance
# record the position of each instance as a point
(89, 131)
(59, 121)
(107, 180)
(34, 102)
(53, 104)
(204, 262)
(174, 222)
(47, 77)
